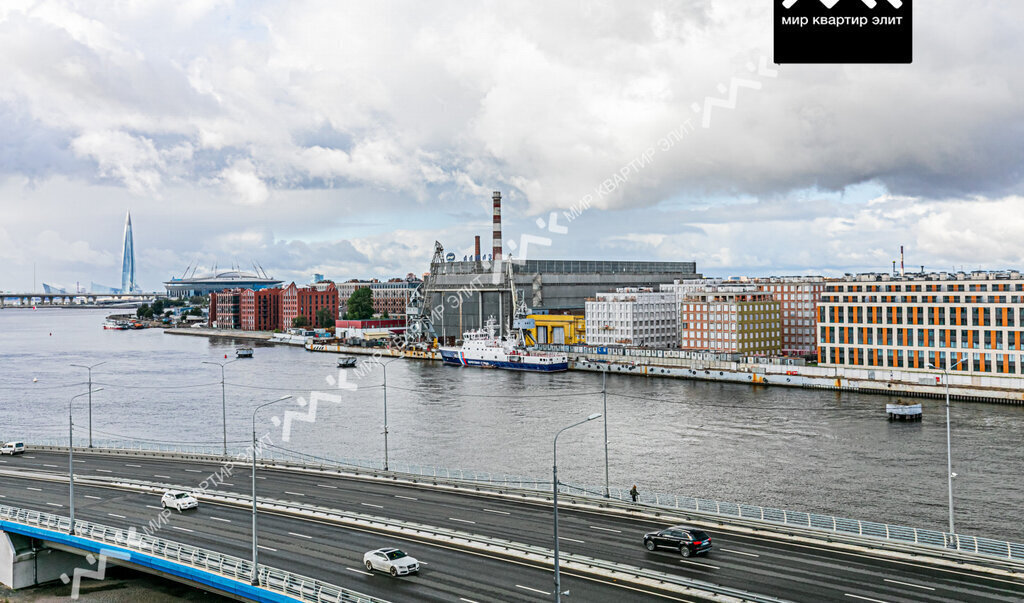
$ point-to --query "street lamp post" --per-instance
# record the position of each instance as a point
(254, 579)
(604, 396)
(554, 498)
(949, 446)
(71, 459)
(384, 367)
(223, 400)
(89, 368)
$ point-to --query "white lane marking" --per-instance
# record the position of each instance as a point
(219, 519)
(301, 535)
(865, 598)
(909, 584)
(543, 592)
(294, 493)
(25, 456)
(55, 504)
(699, 563)
(45, 465)
(571, 539)
(93, 497)
(163, 476)
(225, 484)
(467, 600)
(193, 470)
(258, 477)
(739, 552)
(155, 507)
(605, 529)
(405, 497)
(461, 520)
(182, 529)
(327, 486)
(2, 461)
(2, 496)
(498, 512)
(117, 516)
(131, 465)
(372, 505)
(36, 489)
(358, 571)
(78, 461)
(103, 471)
(266, 547)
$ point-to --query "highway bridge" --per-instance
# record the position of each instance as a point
(481, 542)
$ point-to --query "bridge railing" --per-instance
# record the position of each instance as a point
(292, 585)
(988, 547)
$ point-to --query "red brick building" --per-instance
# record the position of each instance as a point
(306, 301)
(259, 310)
(224, 309)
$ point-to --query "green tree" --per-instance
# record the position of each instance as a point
(198, 300)
(142, 311)
(300, 321)
(324, 318)
(385, 314)
(158, 307)
(360, 304)
(196, 311)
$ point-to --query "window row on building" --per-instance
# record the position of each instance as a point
(273, 309)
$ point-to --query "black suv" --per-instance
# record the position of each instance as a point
(688, 541)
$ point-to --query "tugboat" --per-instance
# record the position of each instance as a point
(115, 325)
(243, 352)
(346, 361)
(481, 347)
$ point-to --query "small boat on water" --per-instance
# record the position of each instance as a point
(346, 361)
(116, 325)
(243, 352)
(903, 410)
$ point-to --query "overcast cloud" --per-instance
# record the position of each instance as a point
(344, 138)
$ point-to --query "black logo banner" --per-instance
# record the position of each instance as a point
(843, 31)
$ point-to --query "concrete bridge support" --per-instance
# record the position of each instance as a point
(24, 563)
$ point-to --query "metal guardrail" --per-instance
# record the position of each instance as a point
(292, 585)
(902, 535)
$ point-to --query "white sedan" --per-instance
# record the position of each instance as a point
(178, 500)
(393, 561)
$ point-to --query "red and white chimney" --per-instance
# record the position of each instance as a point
(496, 251)
(476, 249)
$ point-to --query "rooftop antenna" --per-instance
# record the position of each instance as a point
(902, 273)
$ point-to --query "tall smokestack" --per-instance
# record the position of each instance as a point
(901, 261)
(496, 251)
(476, 249)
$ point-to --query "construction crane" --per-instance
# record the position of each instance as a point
(419, 328)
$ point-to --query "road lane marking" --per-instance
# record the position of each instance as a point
(461, 520)
(327, 486)
(266, 547)
(543, 592)
(467, 600)
(605, 529)
(259, 477)
(294, 493)
(182, 529)
(739, 552)
(909, 584)
(372, 505)
(865, 598)
(301, 535)
(405, 497)
(117, 516)
(36, 489)
(2, 496)
(571, 539)
(131, 465)
(219, 519)
(225, 484)
(155, 507)
(699, 563)
(103, 471)
(358, 571)
(2, 461)
(25, 456)
(78, 461)
(55, 504)
(93, 497)
(498, 512)
(163, 476)
(45, 465)
(193, 470)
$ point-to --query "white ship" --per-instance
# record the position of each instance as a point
(483, 348)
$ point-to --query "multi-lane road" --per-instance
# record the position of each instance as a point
(765, 564)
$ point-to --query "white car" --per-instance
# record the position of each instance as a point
(178, 500)
(393, 561)
(13, 448)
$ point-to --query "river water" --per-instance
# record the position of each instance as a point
(807, 450)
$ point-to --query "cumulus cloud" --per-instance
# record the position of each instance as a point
(245, 185)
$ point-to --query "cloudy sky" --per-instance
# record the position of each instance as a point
(344, 138)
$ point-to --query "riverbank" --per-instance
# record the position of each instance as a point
(232, 333)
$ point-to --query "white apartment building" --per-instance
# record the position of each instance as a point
(798, 297)
(633, 317)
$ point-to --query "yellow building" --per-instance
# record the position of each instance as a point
(557, 328)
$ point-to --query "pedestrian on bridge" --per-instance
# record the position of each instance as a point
(634, 493)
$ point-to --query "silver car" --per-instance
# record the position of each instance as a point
(393, 561)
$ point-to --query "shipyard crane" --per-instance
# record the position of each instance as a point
(419, 327)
